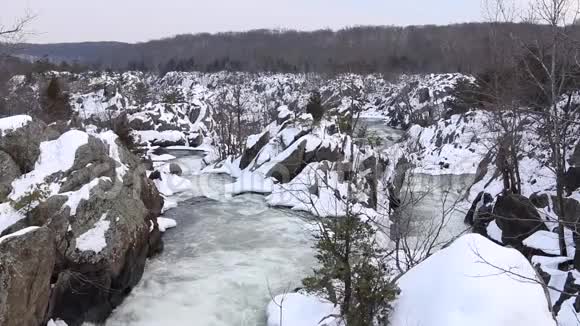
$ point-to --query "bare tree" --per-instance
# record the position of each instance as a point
(551, 71)
(14, 32)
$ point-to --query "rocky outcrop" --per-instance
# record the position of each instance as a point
(517, 217)
(23, 144)
(250, 153)
(480, 213)
(9, 171)
(27, 260)
(104, 194)
(91, 283)
(175, 169)
(288, 168)
(323, 153)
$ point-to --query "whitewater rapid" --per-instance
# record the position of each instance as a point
(229, 256)
(220, 264)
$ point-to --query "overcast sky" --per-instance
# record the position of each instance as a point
(142, 20)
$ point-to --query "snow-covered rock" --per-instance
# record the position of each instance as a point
(9, 124)
(472, 282)
(27, 260)
(99, 205)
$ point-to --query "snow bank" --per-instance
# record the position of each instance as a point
(455, 287)
(166, 223)
(548, 242)
(248, 181)
(14, 122)
(301, 310)
(170, 184)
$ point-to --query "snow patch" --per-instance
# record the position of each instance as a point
(19, 233)
(166, 223)
(14, 122)
(55, 156)
(94, 239)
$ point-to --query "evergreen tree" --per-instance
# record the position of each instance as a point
(55, 103)
(315, 107)
(349, 256)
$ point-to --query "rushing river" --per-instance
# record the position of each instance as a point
(220, 264)
(227, 256)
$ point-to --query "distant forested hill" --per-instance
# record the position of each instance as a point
(413, 49)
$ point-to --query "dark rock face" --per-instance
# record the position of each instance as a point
(23, 144)
(26, 265)
(252, 152)
(91, 284)
(139, 124)
(575, 159)
(155, 175)
(423, 95)
(376, 169)
(572, 179)
(323, 153)
(290, 167)
(9, 171)
(571, 209)
(175, 169)
(480, 213)
(540, 200)
(517, 217)
(195, 140)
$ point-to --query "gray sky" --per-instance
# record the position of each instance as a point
(142, 20)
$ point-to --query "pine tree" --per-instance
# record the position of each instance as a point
(55, 103)
(315, 107)
(348, 255)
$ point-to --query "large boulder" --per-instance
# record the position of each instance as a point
(104, 225)
(174, 168)
(289, 167)
(26, 263)
(23, 144)
(517, 217)
(254, 150)
(9, 171)
(324, 152)
(92, 281)
(463, 284)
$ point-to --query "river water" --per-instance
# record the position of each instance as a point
(227, 256)
(220, 264)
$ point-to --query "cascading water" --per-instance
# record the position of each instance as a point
(221, 263)
(229, 256)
